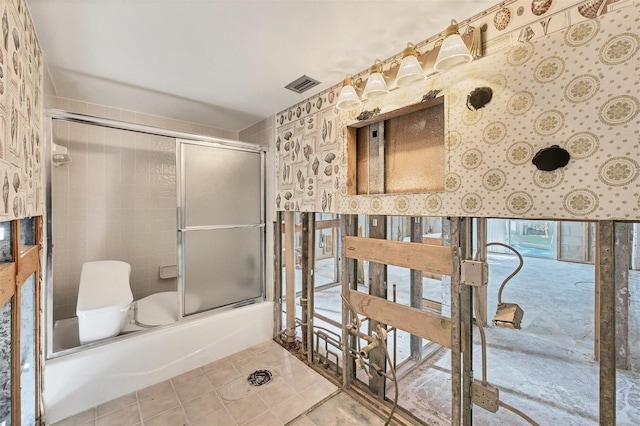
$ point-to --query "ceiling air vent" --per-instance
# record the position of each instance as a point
(302, 84)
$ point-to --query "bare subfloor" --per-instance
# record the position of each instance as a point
(546, 369)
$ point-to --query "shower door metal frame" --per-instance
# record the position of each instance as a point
(47, 279)
(183, 228)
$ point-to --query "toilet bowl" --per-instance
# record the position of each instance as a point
(105, 303)
(158, 309)
(104, 297)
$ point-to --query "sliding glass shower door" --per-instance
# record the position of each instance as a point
(221, 226)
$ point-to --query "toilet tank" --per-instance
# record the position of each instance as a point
(104, 296)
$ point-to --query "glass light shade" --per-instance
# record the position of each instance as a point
(376, 87)
(409, 72)
(453, 52)
(348, 98)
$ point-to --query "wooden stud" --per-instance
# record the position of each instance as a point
(417, 256)
(452, 228)
(15, 327)
(606, 249)
(304, 266)
(277, 276)
(415, 291)
(377, 287)
(622, 260)
(7, 281)
(352, 161)
(427, 325)
(290, 260)
(466, 325)
(311, 255)
(348, 226)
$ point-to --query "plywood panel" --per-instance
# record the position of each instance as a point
(427, 325)
(414, 151)
(423, 257)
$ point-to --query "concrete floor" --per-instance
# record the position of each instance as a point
(546, 369)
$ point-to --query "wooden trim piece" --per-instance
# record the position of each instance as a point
(427, 325)
(352, 161)
(422, 257)
(29, 264)
(398, 112)
(7, 282)
(432, 304)
(327, 224)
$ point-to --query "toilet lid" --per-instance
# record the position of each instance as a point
(158, 309)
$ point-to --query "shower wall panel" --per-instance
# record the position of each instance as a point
(116, 200)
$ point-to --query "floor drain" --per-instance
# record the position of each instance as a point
(260, 377)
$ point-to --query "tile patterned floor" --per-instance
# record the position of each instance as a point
(218, 394)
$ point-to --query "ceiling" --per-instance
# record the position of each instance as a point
(223, 63)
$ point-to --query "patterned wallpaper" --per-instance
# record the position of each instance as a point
(576, 87)
(21, 138)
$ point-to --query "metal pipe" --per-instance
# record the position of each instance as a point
(290, 332)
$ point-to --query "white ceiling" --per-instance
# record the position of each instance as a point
(223, 63)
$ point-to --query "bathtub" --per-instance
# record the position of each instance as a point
(85, 379)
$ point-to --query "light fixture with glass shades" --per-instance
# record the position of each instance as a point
(348, 98)
(453, 51)
(407, 68)
(376, 87)
(410, 70)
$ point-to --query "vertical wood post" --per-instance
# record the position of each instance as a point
(466, 323)
(622, 261)
(277, 276)
(304, 265)
(311, 266)
(290, 261)
(415, 342)
(377, 287)
(456, 347)
(348, 227)
(606, 262)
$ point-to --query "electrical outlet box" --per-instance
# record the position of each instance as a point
(485, 396)
(474, 273)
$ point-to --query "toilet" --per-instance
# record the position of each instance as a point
(104, 297)
(106, 308)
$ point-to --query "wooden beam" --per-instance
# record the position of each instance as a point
(277, 275)
(415, 293)
(418, 256)
(7, 282)
(432, 241)
(432, 304)
(348, 226)
(622, 260)
(290, 260)
(327, 224)
(352, 161)
(378, 288)
(451, 235)
(606, 249)
(427, 325)
(29, 263)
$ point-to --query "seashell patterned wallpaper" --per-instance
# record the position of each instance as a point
(577, 87)
(21, 138)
